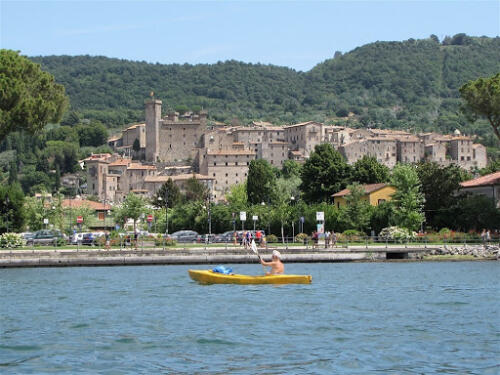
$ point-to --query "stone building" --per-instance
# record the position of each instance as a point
(227, 167)
(410, 149)
(174, 138)
(304, 136)
(274, 152)
(152, 184)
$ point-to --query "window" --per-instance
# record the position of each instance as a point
(226, 164)
(226, 174)
(236, 163)
(215, 163)
(380, 201)
(236, 174)
(101, 215)
(214, 174)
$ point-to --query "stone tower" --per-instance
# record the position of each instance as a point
(153, 117)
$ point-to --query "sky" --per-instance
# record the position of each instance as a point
(297, 34)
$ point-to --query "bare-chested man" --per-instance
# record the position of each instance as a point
(277, 267)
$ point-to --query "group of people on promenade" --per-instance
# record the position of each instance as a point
(486, 235)
(330, 238)
(248, 236)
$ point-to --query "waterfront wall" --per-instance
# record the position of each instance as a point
(117, 257)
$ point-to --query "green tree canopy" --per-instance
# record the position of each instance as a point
(170, 195)
(323, 174)
(12, 212)
(368, 170)
(132, 207)
(290, 168)
(260, 182)
(408, 199)
(356, 213)
(195, 190)
(482, 99)
(29, 98)
(440, 186)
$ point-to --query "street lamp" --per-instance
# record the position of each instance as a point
(166, 209)
(292, 198)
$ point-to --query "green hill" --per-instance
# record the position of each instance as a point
(409, 84)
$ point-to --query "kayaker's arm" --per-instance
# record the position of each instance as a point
(264, 263)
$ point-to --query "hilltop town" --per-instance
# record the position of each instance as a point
(181, 147)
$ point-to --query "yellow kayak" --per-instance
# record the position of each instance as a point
(209, 277)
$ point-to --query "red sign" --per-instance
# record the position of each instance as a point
(79, 219)
(150, 218)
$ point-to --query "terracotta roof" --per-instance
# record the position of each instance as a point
(370, 188)
(140, 166)
(231, 152)
(178, 177)
(134, 126)
(97, 157)
(487, 180)
(77, 203)
(301, 124)
(115, 138)
(121, 161)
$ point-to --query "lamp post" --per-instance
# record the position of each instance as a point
(166, 209)
(209, 216)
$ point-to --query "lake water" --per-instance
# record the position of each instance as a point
(356, 318)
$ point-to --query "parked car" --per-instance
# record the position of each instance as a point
(76, 238)
(28, 235)
(91, 238)
(185, 236)
(47, 237)
(226, 237)
(208, 238)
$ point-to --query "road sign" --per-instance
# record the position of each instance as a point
(302, 219)
(150, 218)
(320, 216)
(243, 216)
(45, 221)
(255, 218)
(79, 219)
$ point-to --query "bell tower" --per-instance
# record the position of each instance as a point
(153, 117)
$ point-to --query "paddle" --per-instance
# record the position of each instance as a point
(254, 248)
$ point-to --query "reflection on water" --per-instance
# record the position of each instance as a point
(386, 318)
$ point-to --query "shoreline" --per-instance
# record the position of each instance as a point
(212, 255)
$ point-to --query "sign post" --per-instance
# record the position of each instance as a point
(243, 218)
(254, 218)
(320, 226)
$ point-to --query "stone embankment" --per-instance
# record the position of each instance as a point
(216, 255)
(476, 251)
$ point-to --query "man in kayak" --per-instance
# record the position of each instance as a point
(277, 267)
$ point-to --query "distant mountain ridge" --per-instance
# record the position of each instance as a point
(409, 84)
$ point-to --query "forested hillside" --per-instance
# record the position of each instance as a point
(411, 84)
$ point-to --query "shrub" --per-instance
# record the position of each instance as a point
(160, 241)
(271, 238)
(396, 234)
(351, 235)
(301, 237)
(11, 240)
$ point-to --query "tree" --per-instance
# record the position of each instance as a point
(482, 99)
(11, 208)
(368, 170)
(94, 134)
(323, 174)
(195, 190)
(439, 186)
(290, 168)
(132, 207)
(13, 172)
(474, 212)
(136, 146)
(356, 214)
(170, 195)
(260, 182)
(30, 98)
(408, 199)
(237, 197)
